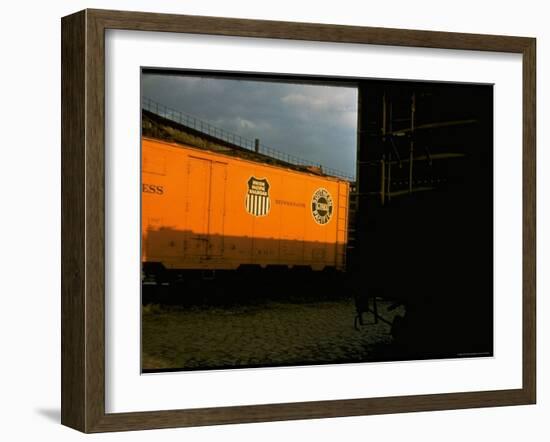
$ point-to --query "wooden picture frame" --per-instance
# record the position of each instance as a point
(83, 220)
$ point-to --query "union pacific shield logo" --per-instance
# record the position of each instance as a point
(257, 197)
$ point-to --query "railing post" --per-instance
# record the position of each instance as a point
(411, 152)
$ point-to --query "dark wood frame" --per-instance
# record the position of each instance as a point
(83, 215)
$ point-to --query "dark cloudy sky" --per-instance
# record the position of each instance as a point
(314, 122)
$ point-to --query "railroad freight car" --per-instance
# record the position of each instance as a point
(204, 210)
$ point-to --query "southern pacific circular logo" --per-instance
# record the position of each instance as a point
(321, 206)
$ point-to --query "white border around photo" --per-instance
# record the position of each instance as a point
(128, 390)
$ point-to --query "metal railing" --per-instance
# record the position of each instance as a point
(221, 134)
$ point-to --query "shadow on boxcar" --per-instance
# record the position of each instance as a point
(228, 269)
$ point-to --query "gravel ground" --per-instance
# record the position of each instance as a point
(271, 334)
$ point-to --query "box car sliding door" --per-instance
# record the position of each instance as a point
(205, 208)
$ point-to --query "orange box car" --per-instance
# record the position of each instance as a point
(206, 210)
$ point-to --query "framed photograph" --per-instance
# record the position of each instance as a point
(268, 221)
